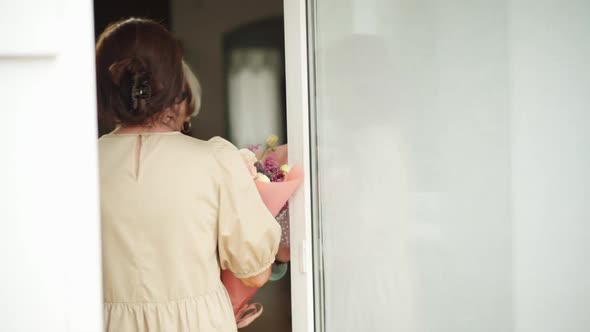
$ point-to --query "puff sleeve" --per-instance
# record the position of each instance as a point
(248, 235)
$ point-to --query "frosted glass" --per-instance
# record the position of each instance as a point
(453, 143)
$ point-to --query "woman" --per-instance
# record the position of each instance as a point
(174, 209)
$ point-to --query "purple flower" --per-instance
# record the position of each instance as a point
(272, 170)
(280, 177)
(271, 165)
(254, 147)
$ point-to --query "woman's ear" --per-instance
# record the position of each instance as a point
(170, 115)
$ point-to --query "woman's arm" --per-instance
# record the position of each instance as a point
(257, 281)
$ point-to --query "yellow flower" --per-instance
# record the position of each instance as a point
(285, 169)
(272, 140)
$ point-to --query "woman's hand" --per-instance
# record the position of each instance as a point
(284, 254)
(258, 280)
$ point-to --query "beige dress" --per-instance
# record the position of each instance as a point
(174, 211)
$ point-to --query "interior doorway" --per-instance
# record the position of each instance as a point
(236, 49)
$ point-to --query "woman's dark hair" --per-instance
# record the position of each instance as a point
(138, 71)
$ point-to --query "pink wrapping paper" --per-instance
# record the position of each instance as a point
(274, 195)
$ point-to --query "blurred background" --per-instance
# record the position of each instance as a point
(236, 49)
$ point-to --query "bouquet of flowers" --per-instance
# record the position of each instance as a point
(276, 181)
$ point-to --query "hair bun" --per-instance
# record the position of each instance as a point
(134, 82)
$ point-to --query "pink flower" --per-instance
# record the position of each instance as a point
(252, 170)
(249, 159)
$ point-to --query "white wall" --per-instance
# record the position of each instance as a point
(49, 223)
(453, 147)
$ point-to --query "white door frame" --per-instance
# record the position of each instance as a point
(296, 70)
(51, 277)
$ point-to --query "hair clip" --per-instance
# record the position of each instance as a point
(140, 90)
(143, 90)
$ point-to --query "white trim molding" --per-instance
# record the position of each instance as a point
(296, 69)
